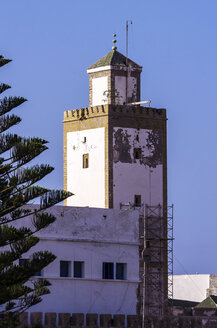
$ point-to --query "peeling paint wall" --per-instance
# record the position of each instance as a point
(143, 176)
(99, 86)
(93, 236)
(87, 184)
(120, 86)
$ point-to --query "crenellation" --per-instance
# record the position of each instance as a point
(128, 111)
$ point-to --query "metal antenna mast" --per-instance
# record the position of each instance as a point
(127, 22)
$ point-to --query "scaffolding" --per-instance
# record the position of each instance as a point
(170, 239)
(158, 246)
(156, 275)
(153, 270)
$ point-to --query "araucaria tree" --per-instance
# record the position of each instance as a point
(18, 187)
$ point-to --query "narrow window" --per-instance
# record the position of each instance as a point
(64, 268)
(137, 153)
(23, 262)
(78, 269)
(108, 270)
(85, 161)
(121, 271)
(137, 200)
(38, 274)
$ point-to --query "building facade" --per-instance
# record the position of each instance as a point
(97, 264)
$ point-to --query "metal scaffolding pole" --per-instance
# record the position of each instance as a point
(157, 241)
(170, 210)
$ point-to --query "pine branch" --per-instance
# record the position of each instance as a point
(25, 178)
(4, 87)
(42, 220)
(20, 274)
(27, 149)
(16, 190)
(20, 214)
(7, 141)
(13, 292)
(7, 121)
(4, 61)
(19, 199)
(8, 103)
(9, 234)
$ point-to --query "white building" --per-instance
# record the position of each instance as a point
(97, 264)
(194, 287)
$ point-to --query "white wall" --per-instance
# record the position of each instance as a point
(99, 86)
(87, 185)
(94, 236)
(133, 177)
(190, 287)
(91, 294)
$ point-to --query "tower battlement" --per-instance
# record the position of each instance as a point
(104, 110)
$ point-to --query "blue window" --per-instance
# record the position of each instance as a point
(108, 270)
(64, 268)
(38, 274)
(121, 271)
(78, 269)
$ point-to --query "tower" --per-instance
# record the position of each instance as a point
(115, 156)
(115, 152)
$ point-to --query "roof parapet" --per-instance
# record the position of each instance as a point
(105, 110)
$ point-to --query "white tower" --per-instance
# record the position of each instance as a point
(114, 153)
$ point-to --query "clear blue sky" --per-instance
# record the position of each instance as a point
(52, 42)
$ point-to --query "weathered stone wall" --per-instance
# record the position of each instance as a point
(67, 320)
(109, 117)
(212, 290)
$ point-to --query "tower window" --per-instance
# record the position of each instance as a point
(137, 153)
(78, 269)
(85, 161)
(108, 270)
(65, 268)
(137, 200)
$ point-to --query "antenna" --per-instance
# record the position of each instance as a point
(127, 22)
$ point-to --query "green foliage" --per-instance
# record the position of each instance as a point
(4, 87)
(17, 188)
